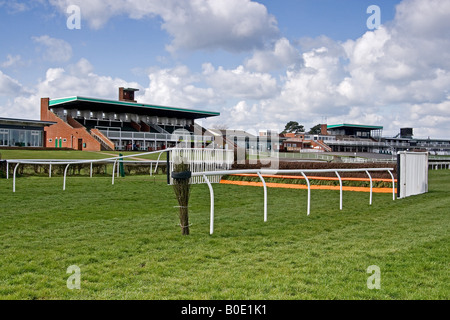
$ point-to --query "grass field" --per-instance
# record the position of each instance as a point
(126, 242)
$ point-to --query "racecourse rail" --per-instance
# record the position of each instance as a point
(206, 174)
(49, 162)
(303, 172)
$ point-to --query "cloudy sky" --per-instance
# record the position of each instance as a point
(259, 63)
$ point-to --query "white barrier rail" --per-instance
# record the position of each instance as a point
(439, 165)
(69, 162)
(261, 172)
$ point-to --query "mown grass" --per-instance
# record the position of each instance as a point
(126, 241)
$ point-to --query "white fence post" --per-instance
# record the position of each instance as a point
(309, 193)
(340, 190)
(14, 177)
(265, 196)
(211, 194)
(370, 178)
(65, 174)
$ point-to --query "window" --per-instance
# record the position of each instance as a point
(4, 133)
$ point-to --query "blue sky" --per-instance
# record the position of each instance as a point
(259, 63)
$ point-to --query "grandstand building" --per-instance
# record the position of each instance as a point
(99, 124)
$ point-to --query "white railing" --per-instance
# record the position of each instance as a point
(261, 172)
(359, 143)
(439, 165)
(300, 155)
(146, 136)
(366, 160)
(67, 163)
(201, 160)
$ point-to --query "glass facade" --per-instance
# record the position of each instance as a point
(21, 138)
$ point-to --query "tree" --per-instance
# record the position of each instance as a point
(293, 127)
(316, 129)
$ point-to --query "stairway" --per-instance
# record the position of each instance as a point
(157, 128)
(105, 143)
(323, 145)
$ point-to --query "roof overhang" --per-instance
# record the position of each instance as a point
(25, 122)
(359, 126)
(94, 104)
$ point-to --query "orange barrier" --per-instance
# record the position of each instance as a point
(301, 186)
(311, 177)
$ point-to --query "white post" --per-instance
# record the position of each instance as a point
(65, 173)
(113, 171)
(157, 162)
(7, 169)
(211, 193)
(340, 190)
(14, 177)
(393, 185)
(309, 193)
(265, 196)
(50, 170)
(90, 171)
(370, 178)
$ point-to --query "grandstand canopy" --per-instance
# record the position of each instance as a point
(362, 131)
(95, 104)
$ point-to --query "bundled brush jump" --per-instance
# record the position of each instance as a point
(182, 188)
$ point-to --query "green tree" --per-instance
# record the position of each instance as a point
(293, 127)
(316, 129)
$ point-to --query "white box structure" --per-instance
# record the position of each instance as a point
(412, 171)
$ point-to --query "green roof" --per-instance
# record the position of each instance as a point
(55, 102)
(354, 126)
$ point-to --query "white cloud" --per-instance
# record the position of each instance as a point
(240, 83)
(233, 25)
(9, 86)
(59, 83)
(177, 87)
(283, 55)
(55, 50)
(12, 61)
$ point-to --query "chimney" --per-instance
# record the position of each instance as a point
(127, 94)
(44, 108)
(323, 129)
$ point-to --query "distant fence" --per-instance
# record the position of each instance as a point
(435, 165)
(412, 173)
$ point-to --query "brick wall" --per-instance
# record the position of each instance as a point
(70, 136)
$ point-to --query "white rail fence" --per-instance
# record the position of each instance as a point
(67, 163)
(201, 160)
(260, 173)
(439, 165)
